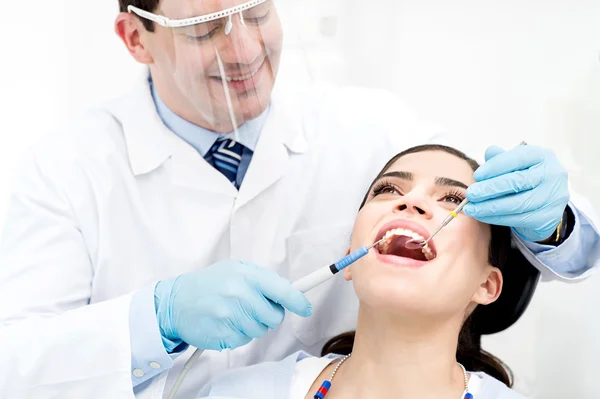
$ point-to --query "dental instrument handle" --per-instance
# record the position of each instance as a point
(450, 217)
(350, 259)
(324, 273)
(460, 207)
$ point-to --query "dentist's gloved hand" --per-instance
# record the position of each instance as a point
(525, 188)
(224, 306)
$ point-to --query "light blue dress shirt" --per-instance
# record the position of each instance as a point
(569, 259)
(149, 357)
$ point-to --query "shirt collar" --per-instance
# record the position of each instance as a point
(200, 138)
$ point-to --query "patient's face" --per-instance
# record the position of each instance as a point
(415, 194)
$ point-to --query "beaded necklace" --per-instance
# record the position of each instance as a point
(326, 385)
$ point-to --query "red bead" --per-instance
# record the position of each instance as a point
(320, 394)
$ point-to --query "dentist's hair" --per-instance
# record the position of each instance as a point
(146, 5)
(469, 352)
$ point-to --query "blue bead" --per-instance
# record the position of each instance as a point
(326, 384)
(468, 396)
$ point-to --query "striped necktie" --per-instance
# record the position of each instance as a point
(225, 155)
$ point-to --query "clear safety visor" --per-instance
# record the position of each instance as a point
(214, 63)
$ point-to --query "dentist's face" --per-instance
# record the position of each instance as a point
(212, 71)
(411, 199)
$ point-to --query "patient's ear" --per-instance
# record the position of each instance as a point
(489, 290)
(347, 271)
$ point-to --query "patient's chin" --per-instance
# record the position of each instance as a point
(395, 299)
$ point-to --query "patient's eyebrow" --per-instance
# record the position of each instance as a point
(399, 175)
(445, 181)
(439, 181)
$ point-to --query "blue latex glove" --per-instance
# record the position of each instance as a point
(525, 188)
(224, 306)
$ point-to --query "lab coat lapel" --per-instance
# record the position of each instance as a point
(189, 169)
(281, 137)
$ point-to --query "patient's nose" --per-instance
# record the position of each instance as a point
(414, 203)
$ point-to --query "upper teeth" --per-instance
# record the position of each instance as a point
(240, 78)
(384, 246)
(403, 232)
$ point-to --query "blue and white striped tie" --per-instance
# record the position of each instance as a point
(225, 155)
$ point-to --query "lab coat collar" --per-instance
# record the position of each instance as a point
(149, 142)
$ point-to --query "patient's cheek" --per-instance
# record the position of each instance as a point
(475, 237)
(469, 231)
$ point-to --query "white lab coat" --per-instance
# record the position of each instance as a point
(116, 202)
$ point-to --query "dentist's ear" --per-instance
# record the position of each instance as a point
(347, 271)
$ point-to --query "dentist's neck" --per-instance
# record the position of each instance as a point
(401, 359)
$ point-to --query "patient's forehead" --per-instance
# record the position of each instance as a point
(432, 164)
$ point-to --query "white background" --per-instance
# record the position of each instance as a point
(499, 71)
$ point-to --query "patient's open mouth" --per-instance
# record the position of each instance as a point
(397, 233)
(395, 244)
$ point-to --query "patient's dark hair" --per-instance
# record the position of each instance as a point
(469, 352)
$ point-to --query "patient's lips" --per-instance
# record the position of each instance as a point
(396, 233)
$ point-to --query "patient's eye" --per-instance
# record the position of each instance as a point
(385, 188)
(454, 197)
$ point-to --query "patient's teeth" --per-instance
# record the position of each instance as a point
(428, 252)
(402, 232)
(387, 239)
(383, 247)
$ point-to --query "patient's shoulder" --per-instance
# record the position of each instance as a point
(486, 386)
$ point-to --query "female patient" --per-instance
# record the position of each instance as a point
(412, 337)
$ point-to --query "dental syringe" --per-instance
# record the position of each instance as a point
(304, 284)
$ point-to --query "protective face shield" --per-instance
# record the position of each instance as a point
(215, 62)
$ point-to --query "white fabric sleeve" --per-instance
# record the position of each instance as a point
(53, 343)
